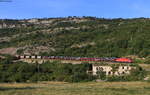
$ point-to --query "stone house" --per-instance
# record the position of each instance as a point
(109, 70)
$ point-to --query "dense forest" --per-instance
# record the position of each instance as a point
(77, 36)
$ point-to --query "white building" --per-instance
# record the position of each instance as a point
(109, 70)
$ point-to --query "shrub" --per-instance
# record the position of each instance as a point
(147, 61)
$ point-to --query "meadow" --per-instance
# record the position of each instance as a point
(87, 88)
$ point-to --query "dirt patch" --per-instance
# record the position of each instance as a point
(83, 45)
(11, 51)
(35, 50)
(4, 39)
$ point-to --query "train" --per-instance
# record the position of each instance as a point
(93, 59)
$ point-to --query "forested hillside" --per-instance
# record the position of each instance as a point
(74, 36)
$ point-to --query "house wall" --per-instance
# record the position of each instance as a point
(107, 69)
(121, 70)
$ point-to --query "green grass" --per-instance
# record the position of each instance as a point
(90, 88)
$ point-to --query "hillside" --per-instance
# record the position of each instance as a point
(74, 36)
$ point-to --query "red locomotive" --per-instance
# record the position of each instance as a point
(126, 60)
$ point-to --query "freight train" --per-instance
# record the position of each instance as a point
(98, 59)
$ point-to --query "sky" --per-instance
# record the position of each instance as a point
(24, 9)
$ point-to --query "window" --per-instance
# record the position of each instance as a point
(97, 68)
(127, 67)
(101, 69)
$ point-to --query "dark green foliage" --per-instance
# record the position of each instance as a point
(23, 72)
(7, 60)
(101, 75)
(147, 60)
(20, 51)
(112, 37)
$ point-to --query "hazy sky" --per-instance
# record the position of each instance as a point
(61, 8)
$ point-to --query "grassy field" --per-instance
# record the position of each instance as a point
(90, 88)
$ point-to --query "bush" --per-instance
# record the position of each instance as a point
(147, 61)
